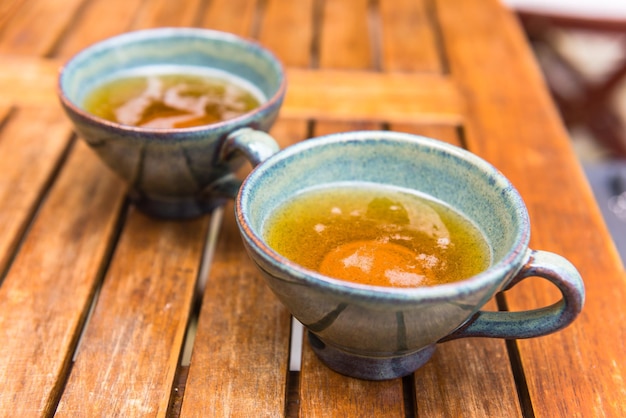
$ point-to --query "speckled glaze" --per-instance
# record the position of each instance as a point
(382, 333)
(172, 173)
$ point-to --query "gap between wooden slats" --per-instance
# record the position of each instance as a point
(344, 35)
(324, 392)
(140, 318)
(368, 6)
(29, 167)
(309, 390)
(384, 97)
(579, 371)
(321, 94)
(62, 275)
(409, 36)
(454, 381)
(428, 392)
(240, 353)
(34, 27)
(231, 267)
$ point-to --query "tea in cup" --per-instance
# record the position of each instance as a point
(385, 244)
(377, 235)
(165, 108)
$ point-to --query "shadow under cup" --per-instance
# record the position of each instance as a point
(381, 332)
(172, 173)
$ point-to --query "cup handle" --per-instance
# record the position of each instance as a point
(536, 322)
(257, 146)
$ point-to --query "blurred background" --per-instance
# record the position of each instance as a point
(581, 48)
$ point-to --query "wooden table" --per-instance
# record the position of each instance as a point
(101, 305)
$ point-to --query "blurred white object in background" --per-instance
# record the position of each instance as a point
(581, 47)
(585, 9)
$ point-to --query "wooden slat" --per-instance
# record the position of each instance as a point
(512, 123)
(344, 43)
(408, 37)
(345, 35)
(4, 112)
(287, 30)
(454, 380)
(240, 356)
(140, 319)
(287, 131)
(436, 393)
(8, 8)
(323, 127)
(30, 153)
(445, 133)
(241, 351)
(326, 393)
(28, 81)
(321, 94)
(490, 90)
(235, 16)
(390, 97)
(45, 297)
(162, 13)
(35, 27)
(98, 19)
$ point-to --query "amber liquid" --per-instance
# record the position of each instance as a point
(168, 97)
(377, 236)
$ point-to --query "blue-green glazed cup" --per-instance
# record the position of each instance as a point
(378, 333)
(182, 172)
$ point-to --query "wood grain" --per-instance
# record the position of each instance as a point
(513, 124)
(96, 21)
(322, 94)
(235, 16)
(287, 30)
(409, 37)
(460, 71)
(34, 27)
(46, 294)
(386, 97)
(29, 81)
(241, 350)
(325, 127)
(452, 382)
(445, 133)
(324, 392)
(167, 13)
(139, 319)
(287, 131)
(8, 8)
(345, 36)
(240, 357)
(455, 379)
(31, 153)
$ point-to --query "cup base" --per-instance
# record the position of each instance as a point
(370, 368)
(175, 208)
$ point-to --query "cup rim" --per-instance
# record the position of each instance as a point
(165, 32)
(501, 268)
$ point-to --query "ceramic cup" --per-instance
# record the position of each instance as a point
(381, 333)
(181, 172)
